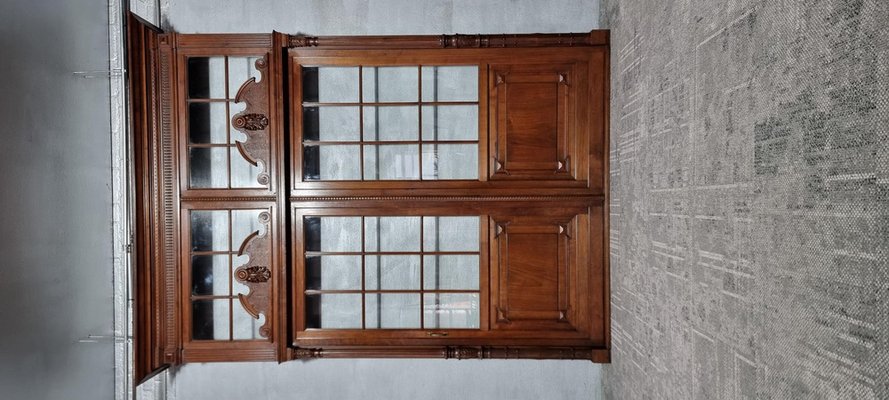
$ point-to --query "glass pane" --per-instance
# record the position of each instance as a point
(331, 163)
(333, 311)
(333, 273)
(245, 326)
(240, 69)
(391, 162)
(390, 84)
(333, 234)
(451, 272)
(210, 275)
(234, 134)
(392, 310)
(451, 83)
(451, 310)
(392, 272)
(331, 123)
(391, 234)
(209, 230)
(244, 174)
(207, 122)
(450, 233)
(208, 167)
(244, 223)
(237, 287)
(330, 84)
(450, 122)
(206, 77)
(450, 161)
(210, 319)
(389, 123)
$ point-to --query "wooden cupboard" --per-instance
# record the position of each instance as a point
(377, 196)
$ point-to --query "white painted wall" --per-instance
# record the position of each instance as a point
(384, 379)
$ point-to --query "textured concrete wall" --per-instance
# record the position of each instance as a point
(55, 202)
(750, 190)
(386, 379)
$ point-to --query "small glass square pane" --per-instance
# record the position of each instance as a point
(387, 272)
(209, 230)
(331, 163)
(245, 326)
(206, 77)
(244, 223)
(210, 319)
(391, 162)
(207, 122)
(330, 84)
(333, 273)
(450, 233)
(450, 161)
(330, 123)
(451, 310)
(210, 275)
(333, 311)
(390, 84)
(241, 69)
(244, 174)
(208, 167)
(392, 310)
(388, 123)
(238, 287)
(332, 234)
(450, 83)
(391, 234)
(450, 272)
(450, 123)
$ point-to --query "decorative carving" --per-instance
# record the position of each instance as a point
(254, 121)
(255, 274)
(301, 353)
(562, 165)
(594, 38)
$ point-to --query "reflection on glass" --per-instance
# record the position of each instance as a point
(389, 123)
(333, 234)
(450, 83)
(210, 319)
(240, 69)
(207, 167)
(333, 311)
(244, 223)
(391, 162)
(450, 233)
(450, 122)
(209, 230)
(331, 123)
(331, 163)
(333, 272)
(209, 275)
(207, 122)
(330, 84)
(390, 84)
(244, 174)
(450, 272)
(392, 310)
(451, 310)
(245, 326)
(450, 161)
(391, 234)
(387, 272)
(206, 77)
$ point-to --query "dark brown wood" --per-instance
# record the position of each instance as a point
(594, 38)
(542, 192)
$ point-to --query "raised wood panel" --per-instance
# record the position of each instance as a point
(536, 266)
(533, 121)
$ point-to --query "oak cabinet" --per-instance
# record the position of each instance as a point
(403, 196)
